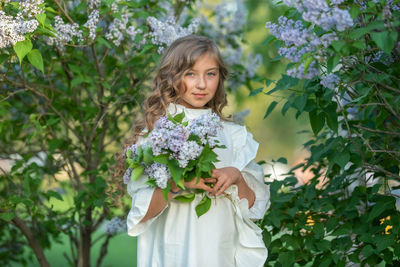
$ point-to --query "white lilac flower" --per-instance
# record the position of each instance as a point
(205, 126)
(31, 8)
(13, 29)
(189, 151)
(330, 81)
(115, 225)
(160, 173)
(127, 175)
(94, 4)
(91, 24)
(64, 33)
(116, 29)
(163, 33)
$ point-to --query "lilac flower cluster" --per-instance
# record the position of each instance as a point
(13, 29)
(165, 32)
(205, 127)
(300, 72)
(64, 33)
(91, 24)
(118, 28)
(320, 13)
(115, 225)
(330, 81)
(172, 139)
(30, 8)
(230, 16)
(160, 173)
(190, 150)
(162, 139)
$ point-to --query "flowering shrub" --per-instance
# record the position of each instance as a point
(72, 77)
(344, 66)
(176, 150)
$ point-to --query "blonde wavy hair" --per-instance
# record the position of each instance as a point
(179, 58)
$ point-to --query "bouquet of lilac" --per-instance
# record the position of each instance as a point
(177, 150)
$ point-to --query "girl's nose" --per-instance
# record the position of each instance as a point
(201, 82)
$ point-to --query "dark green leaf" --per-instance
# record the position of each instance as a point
(385, 40)
(203, 206)
(317, 121)
(270, 108)
(54, 194)
(256, 91)
(7, 216)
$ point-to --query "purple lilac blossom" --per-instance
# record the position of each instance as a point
(160, 173)
(330, 81)
(127, 175)
(320, 13)
(115, 225)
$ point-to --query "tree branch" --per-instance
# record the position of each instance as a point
(33, 243)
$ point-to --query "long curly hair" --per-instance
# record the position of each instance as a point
(180, 57)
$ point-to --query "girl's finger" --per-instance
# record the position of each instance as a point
(210, 180)
(217, 186)
(222, 189)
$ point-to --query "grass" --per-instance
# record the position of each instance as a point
(121, 253)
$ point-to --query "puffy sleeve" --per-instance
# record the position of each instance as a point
(244, 152)
(141, 194)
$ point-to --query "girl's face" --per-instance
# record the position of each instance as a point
(200, 83)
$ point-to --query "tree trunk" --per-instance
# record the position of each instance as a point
(33, 243)
(86, 240)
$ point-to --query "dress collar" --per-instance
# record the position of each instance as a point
(190, 113)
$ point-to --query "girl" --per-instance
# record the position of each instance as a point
(190, 78)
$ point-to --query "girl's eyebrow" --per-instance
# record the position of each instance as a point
(213, 68)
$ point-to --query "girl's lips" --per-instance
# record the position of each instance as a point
(199, 95)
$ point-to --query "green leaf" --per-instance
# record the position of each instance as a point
(341, 159)
(307, 63)
(186, 197)
(282, 160)
(367, 251)
(41, 18)
(179, 117)
(137, 172)
(7, 216)
(203, 206)
(256, 91)
(338, 45)
(35, 58)
(270, 108)
(54, 194)
(332, 62)
(317, 121)
(284, 83)
(175, 170)
(385, 40)
(22, 48)
(162, 158)
(102, 41)
(148, 155)
(3, 58)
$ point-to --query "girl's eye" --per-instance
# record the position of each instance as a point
(211, 74)
(190, 74)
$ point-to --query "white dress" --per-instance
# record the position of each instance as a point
(225, 235)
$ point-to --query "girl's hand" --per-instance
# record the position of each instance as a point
(225, 177)
(193, 185)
